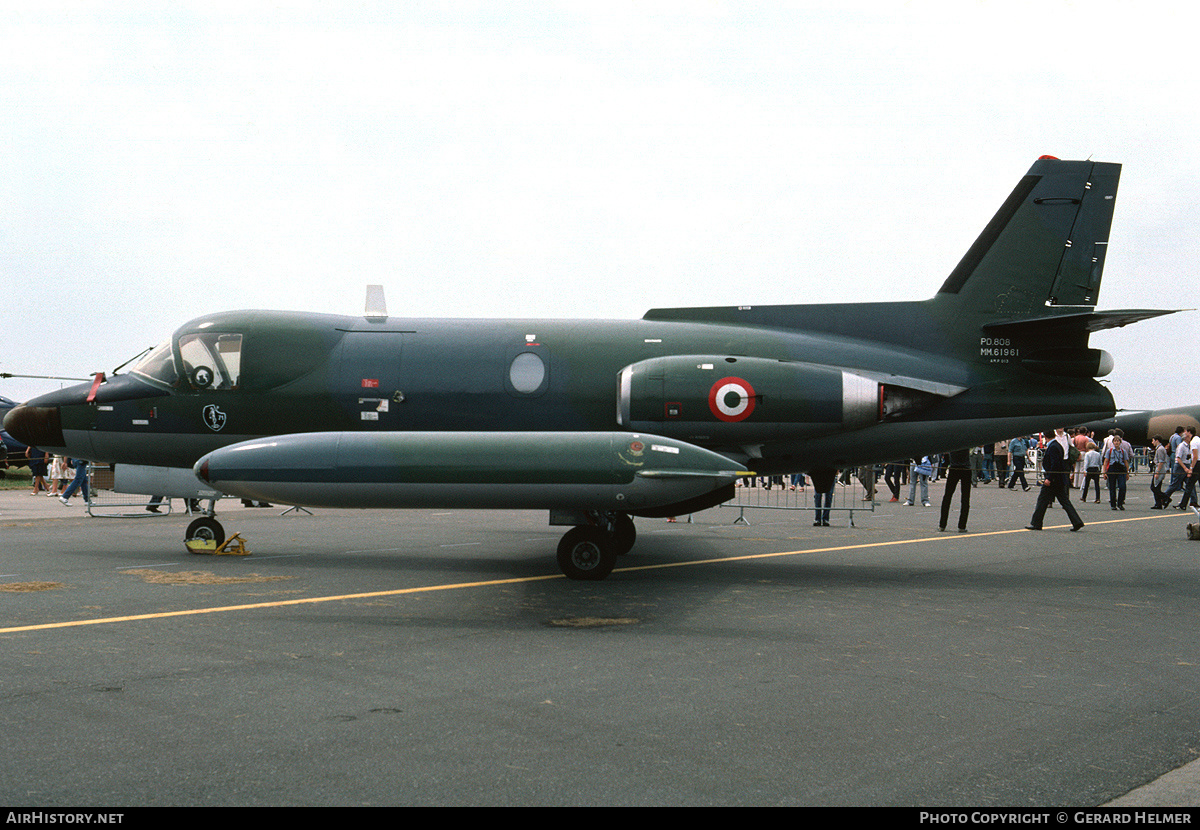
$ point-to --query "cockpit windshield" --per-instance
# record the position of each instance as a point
(158, 365)
(211, 360)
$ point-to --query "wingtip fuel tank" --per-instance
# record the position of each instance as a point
(629, 472)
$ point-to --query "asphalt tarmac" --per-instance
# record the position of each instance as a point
(433, 657)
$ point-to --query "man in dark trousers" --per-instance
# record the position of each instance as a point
(1056, 471)
(959, 475)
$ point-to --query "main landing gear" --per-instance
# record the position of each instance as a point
(590, 551)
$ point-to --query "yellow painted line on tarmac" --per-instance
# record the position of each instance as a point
(940, 537)
(456, 586)
(280, 603)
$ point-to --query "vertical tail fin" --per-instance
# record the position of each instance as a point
(1046, 244)
(1032, 278)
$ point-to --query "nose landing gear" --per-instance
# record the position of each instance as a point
(589, 551)
(205, 529)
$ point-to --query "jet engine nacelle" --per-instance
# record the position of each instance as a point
(706, 397)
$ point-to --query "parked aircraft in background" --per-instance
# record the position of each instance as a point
(12, 451)
(1139, 427)
(601, 421)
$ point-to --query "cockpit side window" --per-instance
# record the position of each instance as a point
(158, 365)
(212, 360)
(229, 349)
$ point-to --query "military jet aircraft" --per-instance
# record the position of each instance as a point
(601, 421)
(1142, 425)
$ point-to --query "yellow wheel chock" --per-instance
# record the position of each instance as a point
(235, 545)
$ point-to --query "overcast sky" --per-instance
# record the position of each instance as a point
(159, 161)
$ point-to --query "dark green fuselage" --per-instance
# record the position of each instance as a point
(306, 373)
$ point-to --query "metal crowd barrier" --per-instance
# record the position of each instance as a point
(104, 503)
(851, 494)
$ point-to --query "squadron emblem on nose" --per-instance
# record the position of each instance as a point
(214, 418)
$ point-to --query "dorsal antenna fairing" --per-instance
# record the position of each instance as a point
(376, 308)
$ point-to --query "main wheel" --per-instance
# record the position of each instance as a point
(207, 529)
(586, 553)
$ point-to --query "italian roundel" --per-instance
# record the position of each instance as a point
(731, 399)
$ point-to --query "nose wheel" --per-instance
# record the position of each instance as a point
(205, 529)
(586, 553)
(589, 552)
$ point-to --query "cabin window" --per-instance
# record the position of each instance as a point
(527, 373)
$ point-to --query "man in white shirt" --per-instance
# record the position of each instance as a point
(1181, 467)
(1189, 488)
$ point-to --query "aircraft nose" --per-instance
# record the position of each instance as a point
(37, 426)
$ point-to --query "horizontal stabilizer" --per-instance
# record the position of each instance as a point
(1057, 344)
(1065, 324)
